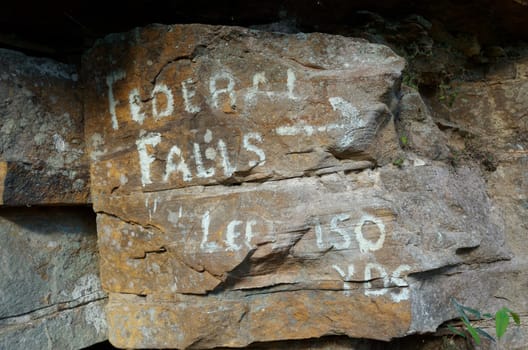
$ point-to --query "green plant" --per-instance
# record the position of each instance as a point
(501, 317)
(404, 140)
(398, 162)
(410, 80)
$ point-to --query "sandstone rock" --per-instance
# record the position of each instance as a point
(488, 116)
(245, 192)
(417, 128)
(51, 294)
(290, 256)
(486, 123)
(41, 135)
(216, 105)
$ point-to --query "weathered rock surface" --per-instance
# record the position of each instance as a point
(41, 133)
(492, 128)
(245, 192)
(51, 293)
(196, 105)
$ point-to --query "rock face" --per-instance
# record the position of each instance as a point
(49, 276)
(486, 123)
(41, 134)
(51, 294)
(246, 192)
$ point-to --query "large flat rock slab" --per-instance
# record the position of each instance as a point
(42, 159)
(245, 190)
(196, 105)
(51, 292)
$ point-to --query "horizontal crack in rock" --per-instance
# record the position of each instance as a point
(53, 309)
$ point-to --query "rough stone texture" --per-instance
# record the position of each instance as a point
(41, 133)
(245, 190)
(75, 328)
(305, 104)
(486, 124)
(51, 294)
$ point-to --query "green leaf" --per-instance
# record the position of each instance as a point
(398, 162)
(472, 311)
(487, 315)
(473, 332)
(502, 320)
(404, 140)
(456, 331)
(461, 310)
(515, 317)
(485, 334)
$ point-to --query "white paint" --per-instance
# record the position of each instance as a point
(134, 101)
(145, 159)
(155, 207)
(229, 89)
(181, 166)
(369, 267)
(147, 205)
(366, 245)
(250, 97)
(112, 103)
(351, 120)
(319, 234)
(123, 179)
(396, 279)
(347, 277)
(290, 83)
(59, 143)
(339, 271)
(334, 228)
(174, 217)
(174, 286)
(259, 78)
(249, 232)
(200, 170)
(188, 95)
(293, 130)
(210, 153)
(306, 129)
(232, 234)
(226, 164)
(205, 245)
(252, 148)
(151, 209)
(348, 111)
(208, 136)
(169, 108)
